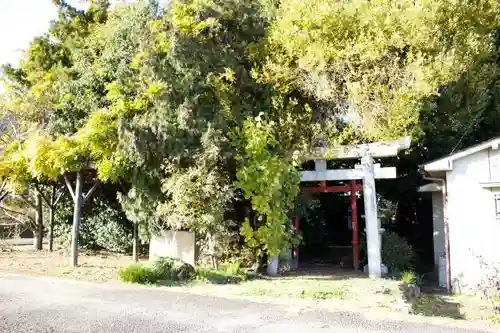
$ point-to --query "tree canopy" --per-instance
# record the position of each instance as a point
(203, 107)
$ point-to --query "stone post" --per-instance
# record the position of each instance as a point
(371, 218)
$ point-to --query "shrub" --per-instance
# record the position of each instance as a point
(397, 254)
(103, 226)
(232, 268)
(161, 269)
(138, 273)
(172, 269)
(410, 285)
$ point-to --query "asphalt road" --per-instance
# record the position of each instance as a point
(37, 305)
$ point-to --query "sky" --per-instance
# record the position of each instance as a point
(20, 21)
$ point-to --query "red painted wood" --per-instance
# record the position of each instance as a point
(333, 189)
(354, 222)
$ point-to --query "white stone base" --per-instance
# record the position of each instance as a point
(272, 266)
(383, 269)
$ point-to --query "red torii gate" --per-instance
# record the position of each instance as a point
(353, 188)
(367, 171)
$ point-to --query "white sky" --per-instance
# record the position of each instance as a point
(20, 21)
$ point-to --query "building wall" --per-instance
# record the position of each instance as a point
(472, 223)
(438, 226)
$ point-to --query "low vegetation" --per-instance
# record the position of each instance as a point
(168, 271)
(397, 254)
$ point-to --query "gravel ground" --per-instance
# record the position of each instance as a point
(39, 304)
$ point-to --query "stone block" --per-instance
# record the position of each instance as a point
(174, 244)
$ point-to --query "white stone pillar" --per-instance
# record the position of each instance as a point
(371, 218)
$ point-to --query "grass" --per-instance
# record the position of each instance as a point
(138, 273)
(210, 275)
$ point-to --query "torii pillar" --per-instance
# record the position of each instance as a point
(368, 172)
(373, 239)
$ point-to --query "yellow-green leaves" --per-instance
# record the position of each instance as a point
(269, 180)
(185, 17)
(382, 57)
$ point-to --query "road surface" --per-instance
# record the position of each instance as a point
(36, 305)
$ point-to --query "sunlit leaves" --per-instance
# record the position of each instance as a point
(270, 180)
(381, 57)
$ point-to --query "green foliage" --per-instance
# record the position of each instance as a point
(381, 58)
(138, 273)
(411, 278)
(221, 276)
(397, 254)
(270, 181)
(199, 105)
(103, 226)
(160, 270)
(172, 269)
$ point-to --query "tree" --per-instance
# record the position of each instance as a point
(378, 61)
(51, 82)
(51, 202)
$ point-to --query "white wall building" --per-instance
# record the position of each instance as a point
(472, 192)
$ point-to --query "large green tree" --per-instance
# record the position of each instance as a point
(201, 107)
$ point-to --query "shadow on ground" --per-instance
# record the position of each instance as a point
(435, 305)
(326, 273)
(210, 276)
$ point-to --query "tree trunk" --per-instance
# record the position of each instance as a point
(38, 223)
(135, 256)
(78, 199)
(51, 218)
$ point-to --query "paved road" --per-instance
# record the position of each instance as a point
(39, 305)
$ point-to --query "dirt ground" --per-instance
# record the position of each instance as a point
(339, 290)
(102, 267)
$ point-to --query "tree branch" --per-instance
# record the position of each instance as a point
(9, 213)
(58, 197)
(92, 190)
(3, 196)
(70, 187)
(3, 185)
(20, 197)
(39, 190)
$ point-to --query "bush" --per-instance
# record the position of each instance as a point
(137, 273)
(161, 269)
(103, 226)
(397, 254)
(172, 269)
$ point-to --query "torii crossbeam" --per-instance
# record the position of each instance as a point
(367, 171)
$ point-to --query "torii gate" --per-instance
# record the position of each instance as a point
(367, 171)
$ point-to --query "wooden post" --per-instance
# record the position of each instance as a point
(354, 223)
(371, 218)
